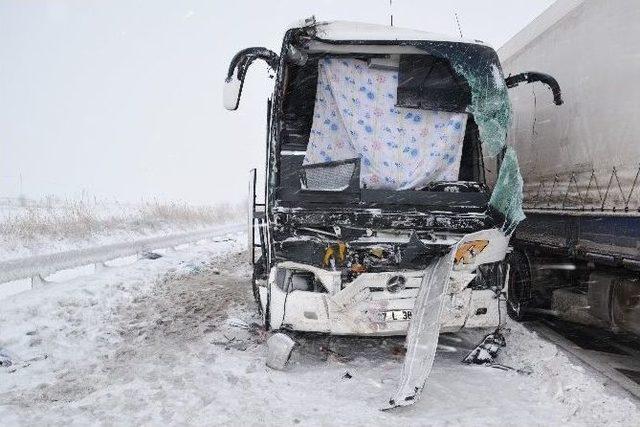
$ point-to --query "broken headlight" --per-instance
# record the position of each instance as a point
(468, 250)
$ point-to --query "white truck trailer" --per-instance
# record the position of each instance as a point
(578, 252)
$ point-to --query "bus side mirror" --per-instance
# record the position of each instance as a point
(534, 76)
(232, 90)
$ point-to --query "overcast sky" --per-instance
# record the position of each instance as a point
(122, 99)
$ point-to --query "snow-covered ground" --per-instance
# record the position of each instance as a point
(161, 342)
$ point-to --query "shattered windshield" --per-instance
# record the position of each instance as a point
(408, 121)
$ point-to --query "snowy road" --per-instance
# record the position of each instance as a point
(157, 343)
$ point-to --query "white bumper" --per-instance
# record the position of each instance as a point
(360, 308)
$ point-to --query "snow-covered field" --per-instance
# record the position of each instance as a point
(31, 227)
(162, 342)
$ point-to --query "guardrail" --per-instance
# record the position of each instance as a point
(39, 266)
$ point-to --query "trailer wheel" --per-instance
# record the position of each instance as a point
(519, 287)
(625, 306)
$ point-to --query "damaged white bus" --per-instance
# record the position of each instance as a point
(382, 215)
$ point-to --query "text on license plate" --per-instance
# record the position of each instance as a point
(397, 315)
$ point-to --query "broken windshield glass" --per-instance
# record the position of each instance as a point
(491, 109)
(490, 103)
(507, 193)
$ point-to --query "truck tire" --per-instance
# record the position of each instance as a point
(625, 306)
(519, 287)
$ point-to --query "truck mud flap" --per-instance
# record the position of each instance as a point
(424, 328)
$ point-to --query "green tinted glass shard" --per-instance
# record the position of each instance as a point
(490, 104)
(507, 193)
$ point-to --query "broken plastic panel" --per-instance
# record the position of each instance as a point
(486, 352)
(422, 336)
(279, 350)
(507, 193)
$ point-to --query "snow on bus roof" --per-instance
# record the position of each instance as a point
(347, 30)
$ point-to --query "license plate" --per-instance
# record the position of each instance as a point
(392, 315)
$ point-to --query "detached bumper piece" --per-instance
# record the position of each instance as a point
(424, 328)
(487, 350)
